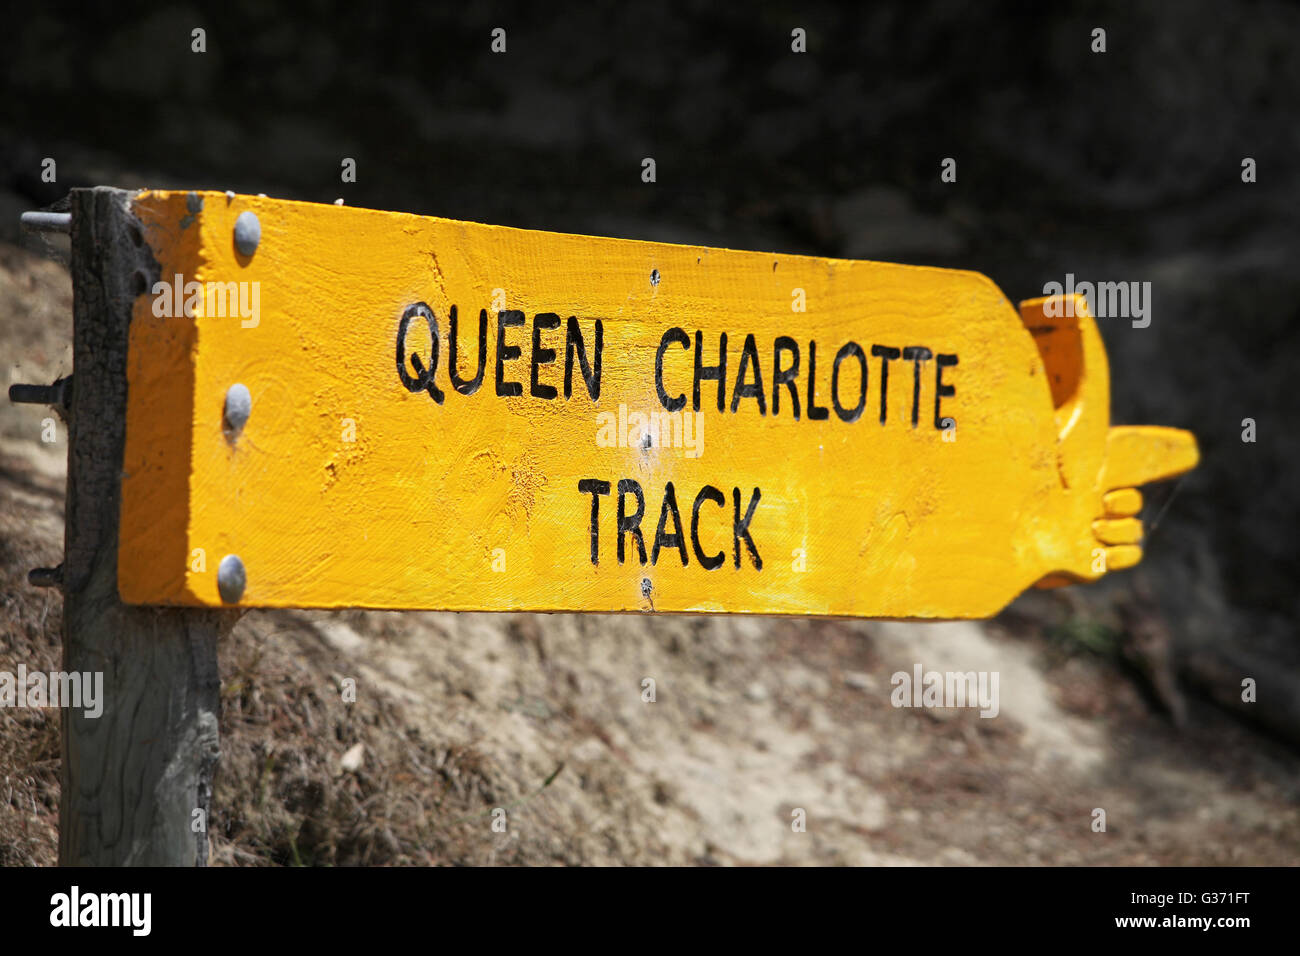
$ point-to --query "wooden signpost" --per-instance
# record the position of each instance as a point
(363, 408)
(280, 404)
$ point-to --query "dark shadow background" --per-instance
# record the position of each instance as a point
(1117, 166)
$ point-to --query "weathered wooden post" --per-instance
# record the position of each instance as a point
(137, 780)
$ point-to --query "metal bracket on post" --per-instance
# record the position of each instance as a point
(58, 395)
(41, 221)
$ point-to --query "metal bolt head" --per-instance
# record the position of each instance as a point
(248, 232)
(239, 405)
(231, 578)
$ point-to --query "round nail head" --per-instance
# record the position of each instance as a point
(231, 578)
(239, 405)
(248, 232)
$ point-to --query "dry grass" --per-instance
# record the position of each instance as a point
(29, 633)
(282, 794)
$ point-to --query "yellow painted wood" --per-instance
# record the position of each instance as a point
(1123, 503)
(345, 488)
(1118, 530)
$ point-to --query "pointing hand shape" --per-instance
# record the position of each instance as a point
(1101, 466)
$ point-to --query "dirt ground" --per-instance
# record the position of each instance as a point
(545, 717)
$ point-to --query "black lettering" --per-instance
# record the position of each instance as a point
(675, 540)
(887, 354)
(717, 372)
(507, 318)
(628, 522)
(916, 354)
(740, 529)
(423, 379)
(707, 493)
(590, 372)
(594, 487)
(542, 321)
(748, 357)
(785, 377)
(672, 335)
(470, 386)
(854, 349)
(816, 413)
(941, 390)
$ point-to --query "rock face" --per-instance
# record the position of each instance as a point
(1168, 159)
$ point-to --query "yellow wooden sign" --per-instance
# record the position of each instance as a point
(333, 407)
